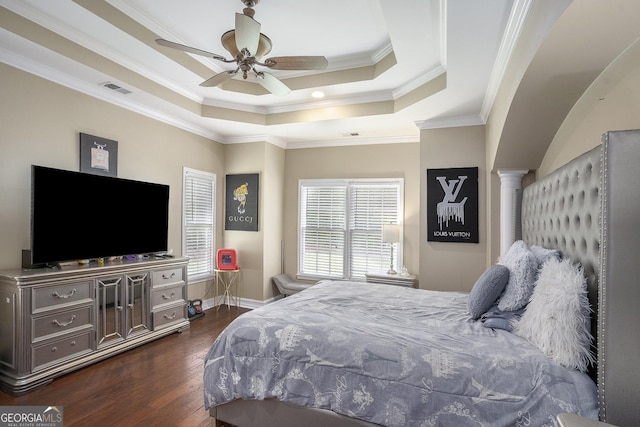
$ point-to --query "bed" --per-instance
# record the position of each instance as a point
(352, 353)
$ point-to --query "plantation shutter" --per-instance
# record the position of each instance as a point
(370, 206)
(199, 220)
(322, 230)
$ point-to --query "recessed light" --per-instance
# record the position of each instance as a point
(317, 94)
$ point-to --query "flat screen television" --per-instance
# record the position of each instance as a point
(78, 216)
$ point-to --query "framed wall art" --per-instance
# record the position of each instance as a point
(241, 202)
(98, 156)
(452, 205)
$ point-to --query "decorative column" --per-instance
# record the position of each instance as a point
(510, 180)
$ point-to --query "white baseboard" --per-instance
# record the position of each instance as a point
(244, 303)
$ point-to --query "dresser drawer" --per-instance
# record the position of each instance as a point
(166, 277)
(53, 297)
(61, 322)
(168, 316)
(167, 295)
(57, 351)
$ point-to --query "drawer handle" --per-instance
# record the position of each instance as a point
(171, 276)
(173, 316)
(168, 297)
(63, 324)
(70, 294)
(73, 343)
(54, 349)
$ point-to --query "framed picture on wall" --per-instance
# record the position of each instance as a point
(241, 202)
(98, 156)
(452, 205)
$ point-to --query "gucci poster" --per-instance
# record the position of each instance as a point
(241, 202)
(452, 205)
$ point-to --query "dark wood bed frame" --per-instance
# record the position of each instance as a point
(589, 209)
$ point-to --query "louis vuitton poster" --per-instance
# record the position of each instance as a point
(241, 202)
(452, 205)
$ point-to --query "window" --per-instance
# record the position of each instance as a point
(198, 219)
(340, 233)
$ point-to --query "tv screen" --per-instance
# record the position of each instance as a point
(77, 216)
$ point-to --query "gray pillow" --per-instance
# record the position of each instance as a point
(543, 254)
(523, 271)
(487, 289)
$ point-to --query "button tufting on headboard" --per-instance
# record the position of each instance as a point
(557, 214)
(589, 210)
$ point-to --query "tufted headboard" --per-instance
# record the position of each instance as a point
(589, 209)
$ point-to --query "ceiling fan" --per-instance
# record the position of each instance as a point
(247, 45)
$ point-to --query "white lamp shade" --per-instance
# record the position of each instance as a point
(390, 233)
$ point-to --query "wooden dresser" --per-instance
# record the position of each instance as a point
(54, 321)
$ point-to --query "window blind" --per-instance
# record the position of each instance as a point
(341, 227)
(322, 231)
(371, 205)
(199, 222)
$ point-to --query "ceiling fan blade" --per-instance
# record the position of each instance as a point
(272, 84)
(218, 78)
(297, 63)
(247, 33)
(173, 45)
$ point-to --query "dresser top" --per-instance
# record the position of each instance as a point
(25, 276)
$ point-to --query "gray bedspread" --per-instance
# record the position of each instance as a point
(393, 356)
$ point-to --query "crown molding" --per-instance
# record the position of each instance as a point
(131, 10)
(450, 122)
(359, 141)
(518, 16)
(99, 92)
(424, 78)
(247, 139)
(88, 42)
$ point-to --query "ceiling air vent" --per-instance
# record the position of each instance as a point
(117, 88)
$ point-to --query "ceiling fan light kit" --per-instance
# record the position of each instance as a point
(228, 40)
(247, 45)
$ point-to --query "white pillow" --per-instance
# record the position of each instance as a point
(523, 269)
(557, 319)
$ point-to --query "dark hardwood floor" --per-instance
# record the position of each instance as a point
(157, 384)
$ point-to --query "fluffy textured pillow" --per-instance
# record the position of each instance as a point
(523, 269)
(543, 254)
(557, 319)
(486, 290)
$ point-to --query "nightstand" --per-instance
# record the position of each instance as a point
(408, 280)
(572, 420)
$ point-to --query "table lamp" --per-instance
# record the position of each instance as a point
(391, 235)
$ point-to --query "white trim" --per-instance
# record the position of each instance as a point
(251, 304)
(450, 122)
(356, 141)
(519, 13)
(348, 183)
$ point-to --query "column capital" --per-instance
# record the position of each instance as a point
(512, 173)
